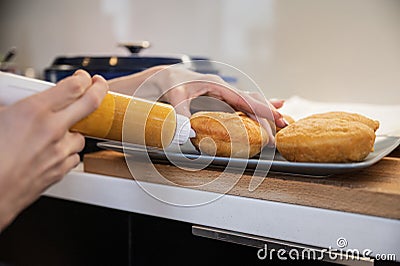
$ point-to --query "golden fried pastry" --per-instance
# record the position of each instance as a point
(227, 134)
(320, 138)
(289, 121)
(373, 124)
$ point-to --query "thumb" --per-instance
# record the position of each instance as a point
(66, 91)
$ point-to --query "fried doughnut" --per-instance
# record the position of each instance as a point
(321, 138)
(227, 134)
(373, 124)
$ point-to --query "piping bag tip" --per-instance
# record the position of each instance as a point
(192, 133)
(183, 130)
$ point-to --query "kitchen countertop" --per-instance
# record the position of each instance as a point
(298, 223)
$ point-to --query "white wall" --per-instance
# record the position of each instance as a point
(320, 49)
(339, 50)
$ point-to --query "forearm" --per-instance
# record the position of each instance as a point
(129, 84)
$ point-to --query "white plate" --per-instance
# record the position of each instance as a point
(383, 146)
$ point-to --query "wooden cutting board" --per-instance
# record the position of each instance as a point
(372, 191)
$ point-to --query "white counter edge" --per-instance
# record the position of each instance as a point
(289, 222)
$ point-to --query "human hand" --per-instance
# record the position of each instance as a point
(37, 147)
(179, 86)
(162, 81)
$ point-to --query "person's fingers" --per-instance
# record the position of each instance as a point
(259, 97)
(277, 103)
(58, 171)
(264, 123)
(273, 104)
(71, 143)
(255, 95)
(58, 151)
(66, 91)
(278, 117)
(245, 103)
(217, 88)
(263, 109)
(75, 142)
(86, 104)
(180, 97)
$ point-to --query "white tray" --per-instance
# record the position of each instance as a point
(383, 146)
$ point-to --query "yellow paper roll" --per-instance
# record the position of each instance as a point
(98, 123)
(134, 120)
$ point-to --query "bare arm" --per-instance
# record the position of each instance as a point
(129, 84)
